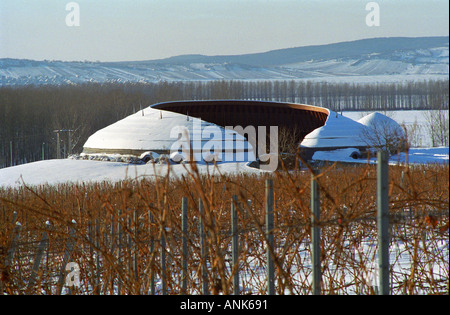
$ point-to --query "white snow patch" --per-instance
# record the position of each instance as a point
(61, 171)
(414, 156)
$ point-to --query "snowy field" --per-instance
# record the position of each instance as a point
(70, 170)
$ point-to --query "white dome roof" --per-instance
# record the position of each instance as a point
(378, 121)
(338, 131)
(157, 130)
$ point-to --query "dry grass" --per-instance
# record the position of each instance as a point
(118, 227)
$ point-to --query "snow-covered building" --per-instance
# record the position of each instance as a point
(228, 130)
(374, 131)
(338, 132)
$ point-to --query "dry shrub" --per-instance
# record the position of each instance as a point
(117, 232)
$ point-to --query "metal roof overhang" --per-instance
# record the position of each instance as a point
(303, 118)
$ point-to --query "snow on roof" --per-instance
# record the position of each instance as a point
(155, 130)
(378, 121)
(338, 131)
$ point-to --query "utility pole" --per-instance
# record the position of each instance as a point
(58, 149)
(58, 144)
(70, 142)
(11, 152)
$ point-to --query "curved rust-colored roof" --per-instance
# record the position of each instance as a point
(303, 118)
(151, 130)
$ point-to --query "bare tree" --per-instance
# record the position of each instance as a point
(414, 133)
(288, 144)
(438, 127)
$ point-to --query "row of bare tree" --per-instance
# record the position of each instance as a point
(31, 115)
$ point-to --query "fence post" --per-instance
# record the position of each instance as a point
(67, 254)
(315, 236)
(235, 244)
(205, 290)
(112, 248)
(97, 257)
(129, 245)
(119, 252)
(14, 244)
(163, 264)
(184, 227)
(152, 251)
(37, 260)
(135, 253)
(383, 221)
(269, 236)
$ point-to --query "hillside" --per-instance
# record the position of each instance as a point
(383, 58)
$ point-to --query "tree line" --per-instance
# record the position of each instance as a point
(30, 116)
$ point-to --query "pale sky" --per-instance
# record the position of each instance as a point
(120, 30)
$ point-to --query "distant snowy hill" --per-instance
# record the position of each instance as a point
(383, 58)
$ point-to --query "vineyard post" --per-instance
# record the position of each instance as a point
(14, 243)
(152, 251)
(269, 237)
(135, 253)
(67, 253)
(315, 235)
(13, 246)
(205, 290)
(235, 244)
(119, 251)
(383, 221)
(37, 260)
(184, 226)
(163, 264)
(113, 246)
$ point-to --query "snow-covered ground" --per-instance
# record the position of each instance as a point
(77, 171)
(415, 155)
